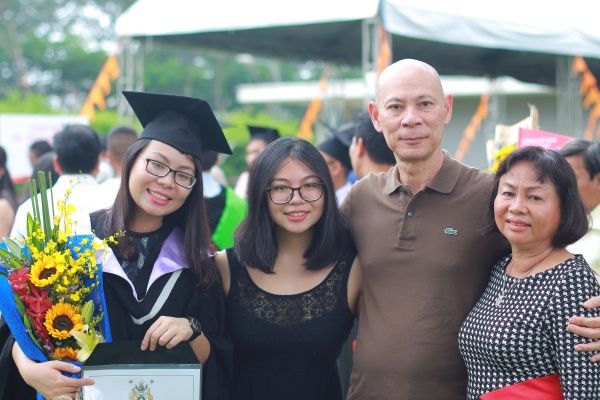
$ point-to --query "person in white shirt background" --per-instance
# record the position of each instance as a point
(584, 157)
(38, 149)
(118, 142)
(369, 151)
(105, 170)
(78, 150)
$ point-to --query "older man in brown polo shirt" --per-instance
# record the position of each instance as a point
(424, 262)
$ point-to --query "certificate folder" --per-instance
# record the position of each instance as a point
(122, 371)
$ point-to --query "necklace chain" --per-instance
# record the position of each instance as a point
(505, 291)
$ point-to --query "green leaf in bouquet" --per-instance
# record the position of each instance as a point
(50, 184)
(27, 322)
(96, 320)
(45, 220)
(55, 231)
(33, 226)
(30, 224)
(35, 208)
(87, 312)
(31, 329)
(9, 258)
(19, 304)
(14, 248)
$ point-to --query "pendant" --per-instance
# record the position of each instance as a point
(499, 299)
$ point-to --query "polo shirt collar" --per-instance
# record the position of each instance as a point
(443, 182)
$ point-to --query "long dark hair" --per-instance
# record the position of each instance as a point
(7, 189)
(190, 217)
(550, 167)
(255, 241)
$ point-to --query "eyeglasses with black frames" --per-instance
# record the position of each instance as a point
(159, 169)
(283, 194)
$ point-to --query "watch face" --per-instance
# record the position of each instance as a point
(195, 325)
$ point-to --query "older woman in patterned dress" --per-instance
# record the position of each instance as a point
(516, 332)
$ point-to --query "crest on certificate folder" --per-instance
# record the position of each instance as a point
(140, 391)
(122, 371)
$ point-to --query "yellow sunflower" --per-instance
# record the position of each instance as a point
(66, 353)
(47, 269)
(61, 319)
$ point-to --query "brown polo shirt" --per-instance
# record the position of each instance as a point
(425, 264)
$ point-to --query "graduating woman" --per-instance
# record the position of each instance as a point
(160, 284)
(292, 280)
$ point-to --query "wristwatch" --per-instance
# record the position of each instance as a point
(196, 328)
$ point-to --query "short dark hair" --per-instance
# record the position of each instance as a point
(255, 241)
(119, 140)
(40, 147)
(44, 163)
(190, 217)
(550, 167)
(374, 141)
(77, 148)
(7, 189)
(586, 149)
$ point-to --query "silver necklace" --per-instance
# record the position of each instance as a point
(505, 291)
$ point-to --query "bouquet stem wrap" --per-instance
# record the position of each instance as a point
(14, 316)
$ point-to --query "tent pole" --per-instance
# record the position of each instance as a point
(569, 113)
(370, 50)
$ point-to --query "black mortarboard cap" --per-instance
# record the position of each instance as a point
(264, 133)
(186, 123)
(338, 145)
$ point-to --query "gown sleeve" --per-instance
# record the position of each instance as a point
(208, 307)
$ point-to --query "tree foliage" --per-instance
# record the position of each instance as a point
(55, 47)
(51, 52)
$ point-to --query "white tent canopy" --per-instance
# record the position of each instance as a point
(516, 38)
(566, 28)
(179, 17)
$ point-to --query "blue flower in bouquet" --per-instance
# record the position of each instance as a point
(54, 278)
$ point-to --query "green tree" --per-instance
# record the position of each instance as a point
(57, 47)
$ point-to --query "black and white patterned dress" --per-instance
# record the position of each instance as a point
(526, 337)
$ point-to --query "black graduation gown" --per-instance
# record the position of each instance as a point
(185, 299)
(12, 386)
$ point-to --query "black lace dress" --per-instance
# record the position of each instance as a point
(286, 346)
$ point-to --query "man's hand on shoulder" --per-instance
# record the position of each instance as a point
(587, 327)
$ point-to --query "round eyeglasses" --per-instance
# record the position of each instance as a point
(284, 194)
(159, 169)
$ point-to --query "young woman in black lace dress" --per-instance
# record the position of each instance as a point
(292, 280)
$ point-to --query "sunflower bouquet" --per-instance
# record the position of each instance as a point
(51, 285)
